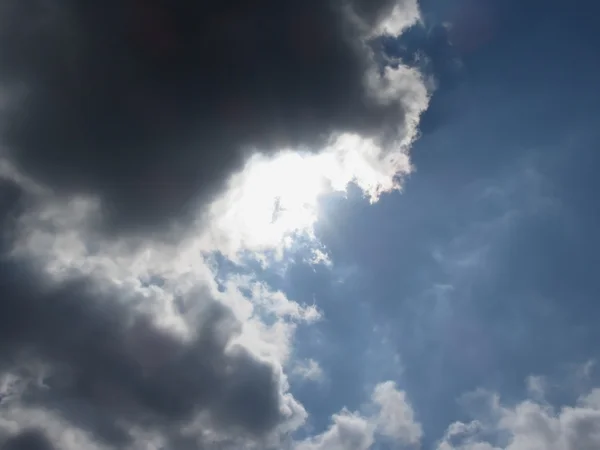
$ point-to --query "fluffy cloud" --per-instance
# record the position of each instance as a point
(110, 364)
(349, 431)
(396, 417)
(87, 334)
(392, 418)
(127, 135)
(529, 425)
(262, 205)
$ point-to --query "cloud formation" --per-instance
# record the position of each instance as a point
(529, 425)
(122, 119)
(108, 366)
(151, 104)
(392, 418)
(86, 343)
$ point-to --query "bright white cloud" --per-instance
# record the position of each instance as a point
(349, 431)
(391, 418)
(275, 198)
(530, 425)
(404, 14)
(396, 418)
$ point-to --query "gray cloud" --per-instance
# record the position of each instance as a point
(31, 439)
(12, 198)
(81, 347)
(151, 104)
(109, 365)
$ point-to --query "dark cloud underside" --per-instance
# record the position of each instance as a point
(28, 440)
(150, 103)
(109, 365)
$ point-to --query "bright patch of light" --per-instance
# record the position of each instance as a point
(279, 195)
(275, 199)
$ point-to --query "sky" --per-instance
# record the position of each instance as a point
(299, 225)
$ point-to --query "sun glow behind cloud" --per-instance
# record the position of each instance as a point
(275, 199)
(276, 196)
(169, 281)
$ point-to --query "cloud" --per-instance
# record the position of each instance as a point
(263, 206)
(37, 429)
(529, 425)
(131, 136)
(392, 418)
(152, 106)
(89, 340)
(28, 439)
(309, 370)
(396, 417)
(132, 370)
(401, 17)
(349, 431)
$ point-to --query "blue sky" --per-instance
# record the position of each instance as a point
(483, 270)
(425, 280)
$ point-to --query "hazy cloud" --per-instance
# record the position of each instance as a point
(309, 370)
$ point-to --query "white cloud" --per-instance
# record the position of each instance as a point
(349, 431)
(275, 198)
(396, 417)
(404, 14)
(391, 418)
(531, 425)
(308, 369)
(318, 256)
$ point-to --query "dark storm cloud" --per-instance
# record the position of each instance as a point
(151, 103)
(12, 204)
(109, 364)
(32, 439)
